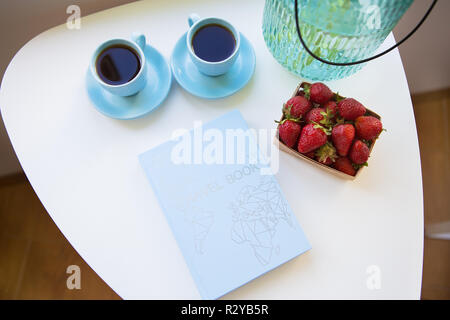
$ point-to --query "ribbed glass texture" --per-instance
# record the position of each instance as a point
(336, 30)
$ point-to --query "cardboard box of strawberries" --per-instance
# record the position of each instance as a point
(328, 130)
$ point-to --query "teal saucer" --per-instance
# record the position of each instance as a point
(159, 80)
(198, 84)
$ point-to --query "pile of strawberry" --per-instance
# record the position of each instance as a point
(333, 130)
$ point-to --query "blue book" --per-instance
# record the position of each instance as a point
(229, 217)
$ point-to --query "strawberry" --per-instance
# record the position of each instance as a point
(345, 165)
(321, 117)
(327, 161)
(326, 154)
(296, 107)
(331, 106)
(289, 131)
(342, 137)
(368, 128)
(359, 153)
(312, 137)
(314, 115)
(310, 154)
(319, 93)
(350, 109)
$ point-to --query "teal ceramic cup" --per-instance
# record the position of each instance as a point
(136, 84)
(206, 67)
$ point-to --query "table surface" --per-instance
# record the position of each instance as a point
(85, 170)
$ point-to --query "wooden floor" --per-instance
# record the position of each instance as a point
(34, 254)
(432, 111)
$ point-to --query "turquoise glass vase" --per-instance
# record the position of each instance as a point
(336, 30)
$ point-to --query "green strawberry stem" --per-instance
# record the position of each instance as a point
(337, 97)
(359, 166)
(287, 115)
(306, 88)
(324, 129)
(297, 120)
(326, 151)
(327, 119)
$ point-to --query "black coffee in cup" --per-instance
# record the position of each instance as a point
(118, 64)
(213, 43)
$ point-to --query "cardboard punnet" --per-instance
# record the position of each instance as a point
(295, 153)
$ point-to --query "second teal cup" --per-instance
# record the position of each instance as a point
(209, 68)
(138, 82)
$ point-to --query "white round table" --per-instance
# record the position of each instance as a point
(366, 235)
